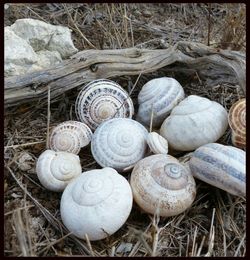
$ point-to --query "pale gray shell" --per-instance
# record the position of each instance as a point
(70, 136)
(119, 143)
(221, 166)
(160, 183)
(161, 95)
(56, 169)
(195, 121)
(97, 203)
(157, 143)
(101, 100)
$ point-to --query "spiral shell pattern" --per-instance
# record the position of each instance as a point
(161, 95)
(101, 100)
(97, 203)
(161, 184)
(56, 169)
(157, 143)
(119, 143)
(237, 122)
(221, 166)
(70, 136)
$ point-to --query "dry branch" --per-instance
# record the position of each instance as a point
(213, 66)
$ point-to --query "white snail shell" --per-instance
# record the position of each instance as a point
(157, 143)
(97, 203)
(193, 122)
(70, 136)
(56, 169)
(101, 100)
(160, 183)
(119, 143)
(221, 166)
(237, 122)
(161, 95)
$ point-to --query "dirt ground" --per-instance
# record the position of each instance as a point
(215, 225)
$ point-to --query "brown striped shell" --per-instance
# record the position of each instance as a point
(237, 122)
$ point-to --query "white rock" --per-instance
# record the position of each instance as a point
(48, 58)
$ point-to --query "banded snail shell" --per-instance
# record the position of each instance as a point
(195, 121)
(161, 95)
(97, 203)
(161, 184)
(237, 122)
(70, 136)
(157, 143)
(56, 169)
(101, 100)
(221, 166)
(119, 143)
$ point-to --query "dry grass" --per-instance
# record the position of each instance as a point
(213, 226)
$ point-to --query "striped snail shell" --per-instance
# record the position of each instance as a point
(101, 100)
(157, 143)
(119, 143)
(70, 136)
(97, 203)
(193, 122)
(56, 169)
(237, 122)
(160, 184)
(161, 95)
(221, 166)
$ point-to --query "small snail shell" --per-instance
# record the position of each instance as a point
(97, 203)
(119, 143)
(161, 95)
(70, 136)
(237, 122)
(157, 143)
(56, 169)
(160, 182)
(221, 166)
(193, 122)
(101, 100)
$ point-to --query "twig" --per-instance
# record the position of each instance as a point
(89, 245)
(209, 25)
(26, 144)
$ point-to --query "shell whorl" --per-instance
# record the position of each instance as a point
(161, 95)
(56, 169)
(160, 182)
(101, 100)
(119, 143)
(237, 122)
(157, 143)
(70, 136)
(97, 203)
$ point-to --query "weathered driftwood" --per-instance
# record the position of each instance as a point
(213, 66)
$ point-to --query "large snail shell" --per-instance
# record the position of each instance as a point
(97, 203)
(193, 122)
(119, 143)
(237, 122)
(56, 169)
(70, 136)
(157, 143)
(101, 100)
(221, 166)
(160, 183)
(161, 95)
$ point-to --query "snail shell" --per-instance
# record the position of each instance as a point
(97, 203)
(161, 95)
(101, 100)
(237, 122)
(221, 166)
(70, 136)
(160, 183)
(157, 143)
(119, 143)
(56, 169)
(193, 122)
